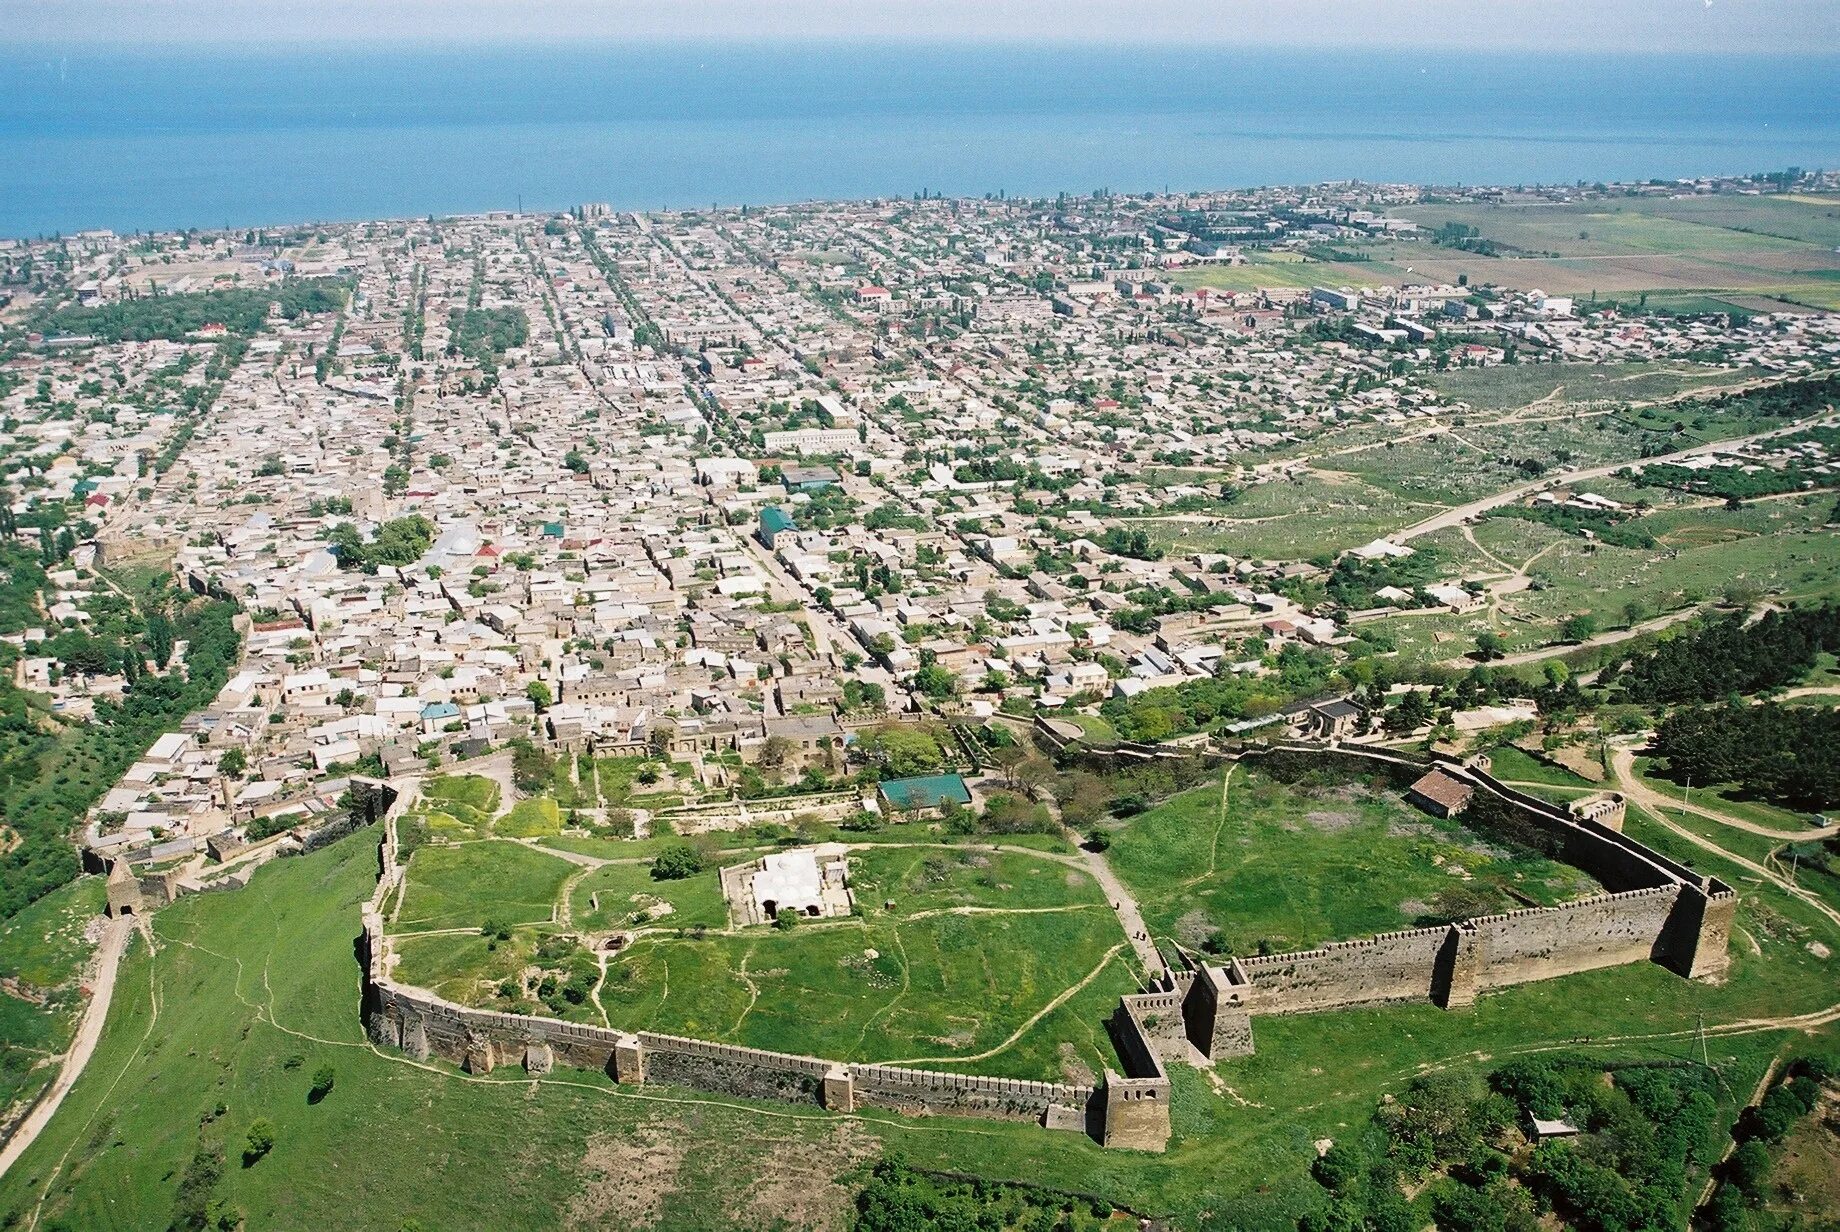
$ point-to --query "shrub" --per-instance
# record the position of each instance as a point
(322, 1084)
(259, 1142)
(676, 862)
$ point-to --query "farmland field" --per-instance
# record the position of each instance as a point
(1690, 254)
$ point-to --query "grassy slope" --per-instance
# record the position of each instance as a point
(384, 1146)
(43, 948)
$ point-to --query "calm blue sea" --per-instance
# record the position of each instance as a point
(171, 139)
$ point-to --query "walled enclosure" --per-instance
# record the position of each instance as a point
(1654, 910)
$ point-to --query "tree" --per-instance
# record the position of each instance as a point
(531, 767)
(1578, 628)
(538, 693)
(259, 1142)
(774, 751)
(1413, 712)
(233, 762)
(786, 919)
(676, 862)
(1489, 645)
(935, 682)
(323, 1078)
(160, 639)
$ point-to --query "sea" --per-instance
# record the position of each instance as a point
(162, 139)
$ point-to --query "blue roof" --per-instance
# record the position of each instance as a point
(926, 791)
(440, 710)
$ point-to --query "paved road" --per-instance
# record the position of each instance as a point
(89, 1030)
(1462, 513)
(787, 590)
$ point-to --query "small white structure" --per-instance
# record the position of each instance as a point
(812, 882)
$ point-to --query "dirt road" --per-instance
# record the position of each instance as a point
(89, 1030)
(1462, 513)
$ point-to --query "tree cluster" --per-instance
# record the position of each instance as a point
(1789, 754)
(1730, 656)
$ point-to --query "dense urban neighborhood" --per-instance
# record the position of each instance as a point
(964, 667)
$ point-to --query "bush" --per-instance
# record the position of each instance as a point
(676, 862)
(323, 1078)
(260, 1141)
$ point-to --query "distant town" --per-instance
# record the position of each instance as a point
(733, 545)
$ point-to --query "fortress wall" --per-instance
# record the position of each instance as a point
(424, 1025)
(1388, 967)
(730, 1070)
(1605, 930)
(1157, 1022)
(931, 1091)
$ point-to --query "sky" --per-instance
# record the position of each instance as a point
(1788, 27)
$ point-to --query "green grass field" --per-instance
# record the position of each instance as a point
(954, 952)
(1513, 386)
(1294, 519)
(464, 886)
(936, 990)
(1291, 867)
(617, 896)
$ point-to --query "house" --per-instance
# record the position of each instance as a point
(1441, 794)
(774, 522)
(1337, 719)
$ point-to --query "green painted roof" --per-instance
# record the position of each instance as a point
(773, 520)
(926, 791)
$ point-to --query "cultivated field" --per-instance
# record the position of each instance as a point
(1694, 254)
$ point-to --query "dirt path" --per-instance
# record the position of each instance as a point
(1622, 764)
(1459, 514)
(1602, 639)
(1022, 1030)
(82, 1044)
(1622, 760)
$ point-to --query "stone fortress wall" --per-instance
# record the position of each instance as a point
(1654, 909)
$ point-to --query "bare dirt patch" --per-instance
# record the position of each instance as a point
(1074, 1068)
(627, 1178)
(1330, 820)
(795, 1182)
(1193, 928)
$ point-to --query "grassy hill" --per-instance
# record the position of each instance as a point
(248, 994)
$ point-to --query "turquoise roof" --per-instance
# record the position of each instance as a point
(926, 791)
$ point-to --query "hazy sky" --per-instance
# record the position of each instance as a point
(1787, 26)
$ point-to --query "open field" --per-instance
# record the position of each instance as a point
(1290, 867)
(466, 885)
(1261, 271)
(1293, 519)
(1693, 254)
(1556, 386)
(933, 990)
(954, 951)
(255, 990)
